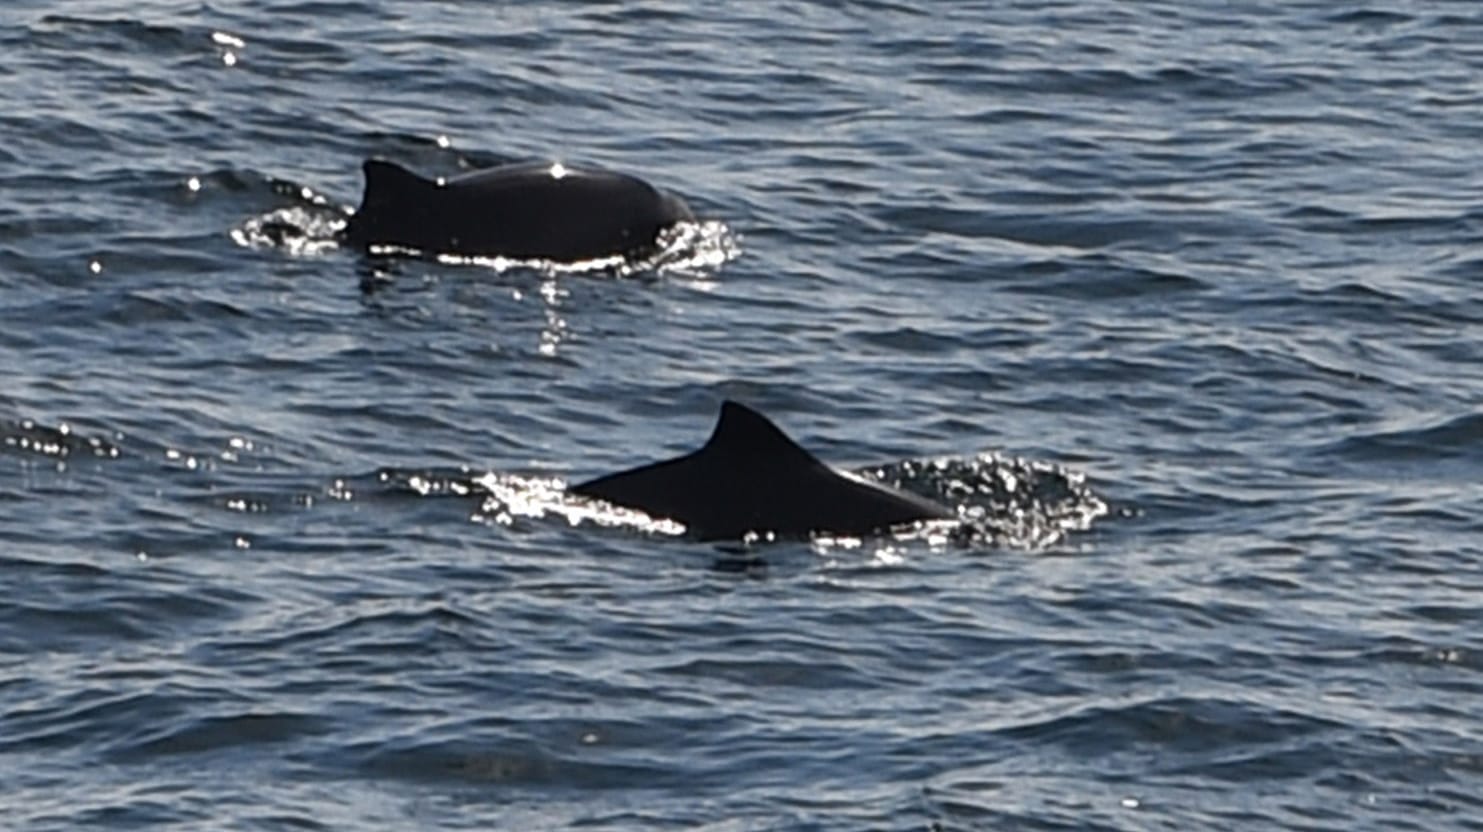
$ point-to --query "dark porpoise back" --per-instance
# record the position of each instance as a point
(526, 211)
(750, 477)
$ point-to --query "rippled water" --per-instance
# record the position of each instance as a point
(1177, 301)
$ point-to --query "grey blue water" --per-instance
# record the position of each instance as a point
(1176, 303)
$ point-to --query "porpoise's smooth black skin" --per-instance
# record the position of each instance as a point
(750, 477)
(534, 211)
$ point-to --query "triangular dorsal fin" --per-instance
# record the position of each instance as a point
(743, 431)
(389, 182)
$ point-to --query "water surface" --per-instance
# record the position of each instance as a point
(1209, 266)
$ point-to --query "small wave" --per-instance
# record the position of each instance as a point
(363, 632)
(1001, 501)
(1371, 18)
(687, 249)
(1100, 277)
(510, 498)
(695, 250)
(1460, 438)
(80, 33)
(299, 230)
(220, 734)
(122, 605)
(511, 762)
(1182, 724)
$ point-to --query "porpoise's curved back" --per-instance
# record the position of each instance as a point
(534, 211)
